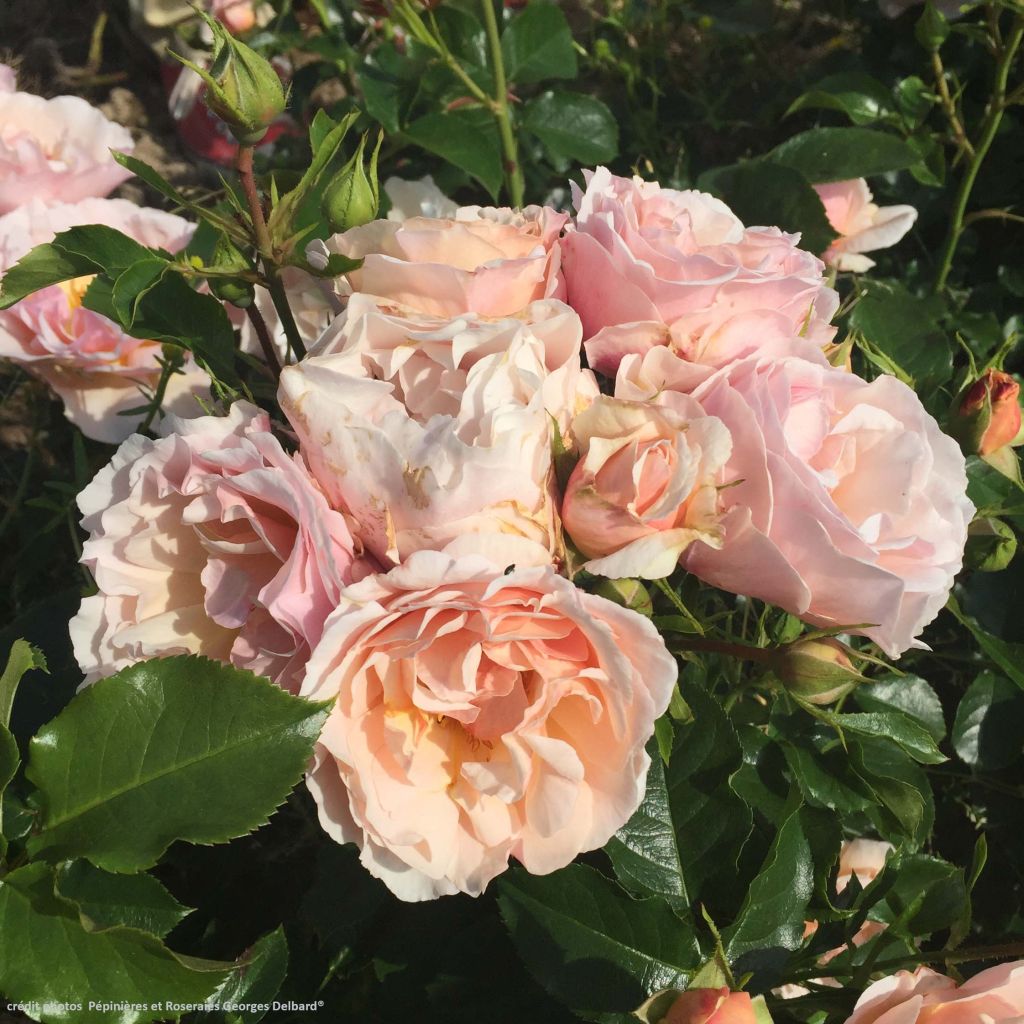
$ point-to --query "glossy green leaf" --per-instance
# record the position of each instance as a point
(903, 808)
(256, 982)
(107, 900)
(132, 285)
(39, 268)
(761, 192)
(1005, 656)
(862, 98)
(538, 44)
(988, 731)
(173, 748)
(909, 694)
(927, 895)
(772, 916)
(837, 154)
(467, 138)
(50, 954)
(573, 127)
(592, 945)
(894, 725)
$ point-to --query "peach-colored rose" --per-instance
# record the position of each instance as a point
(56, 150)
(990, 412)
(210, 540)
(645, 487)
(238, 16)
(845, 504)
(711, 1006)
(95, 368)
(468, 464)
(994, 996)
(418, 198)
(480, 716)
(429, 360)
(494, 262)
(862, 226)
(648, 266)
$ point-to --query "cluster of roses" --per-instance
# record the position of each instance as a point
(411, 559)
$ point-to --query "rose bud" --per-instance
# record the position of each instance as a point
(711, 1006)
(817, 671)
(242, 88)
(991, 545)
(353, 197)
(627, 592)
(228, 257)
(989, 416)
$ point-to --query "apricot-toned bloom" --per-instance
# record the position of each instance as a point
(210, 540)
(711, 1006)
(862, 226)
(989, 416)
(480, 716)
(95, 368)
(56, 150)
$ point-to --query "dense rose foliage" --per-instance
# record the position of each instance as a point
(211, 540)
(93, 366)
(480, 716)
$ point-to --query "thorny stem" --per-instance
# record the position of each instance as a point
(963, 143)
(265, 246)
(989, 128)
(266, 342)
(510, 152)
(743, 651)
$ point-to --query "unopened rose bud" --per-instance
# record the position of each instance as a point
(228, 257)
(989, 414)
(991, 545)
(711, 1006)
(627, 592)
(816, 671)
(242, 88)
(353, 197)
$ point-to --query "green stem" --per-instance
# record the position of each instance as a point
(510, 152)
(265, 247)
(990, 126)
(742, 651)
(171, 362)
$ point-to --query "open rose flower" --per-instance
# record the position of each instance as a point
(56, 150)
(862, 226)
(480, 716)
(437, 444)
(94, 367)
(418, 198)
(428, 360)
(994, 996)
(649, 266)
(845, 504)
(494, 262)
(645, 487)
(210, 540)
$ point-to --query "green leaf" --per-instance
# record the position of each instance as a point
(592, 945)
(256, 982)
(134, 901)
(915, 100)
(862, 98)
(467, 138)
(645, 852)
(538, 44)
(906, 329)
(903, 808)
(49, 954)
(909, 694)
(172, 748)
(894, 725)
(39, 268)
(928, 895)
(573, 127)
(836, 154)
(106, 249)
(1005, 656)
(772, 916)
(988, 731)
(132, 285)
(760, 192)
(381, 79)
(23, 657)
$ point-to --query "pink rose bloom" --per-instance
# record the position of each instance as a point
(862, 226)
(95, 368)
(994, 996)
(237, 16)
(646, 485)
(648, 266)
(56, 150)
(445, 441)
(8, 79)
(418, 198)
(480, 716)
(210, 540)
(845, 504)
(494, 262)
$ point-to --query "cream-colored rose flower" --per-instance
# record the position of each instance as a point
(480, 716)
(646, 485)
